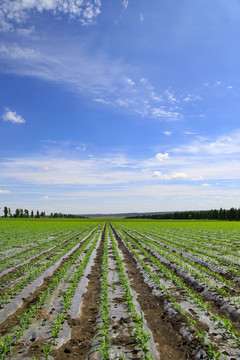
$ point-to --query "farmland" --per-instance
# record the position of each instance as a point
(119, 289)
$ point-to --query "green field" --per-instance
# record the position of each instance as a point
(119, 289)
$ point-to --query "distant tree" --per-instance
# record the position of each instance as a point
(17, 213)
(232, 214)
(5, 211)
(42, 214)
(37, 215)
(32, 215)
(9, 212)
(220, 214)
(26, 213)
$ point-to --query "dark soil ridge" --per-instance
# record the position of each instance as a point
(26, 250)
(83, 328)
(33, 260)
(18, 279)
(226, 275)
(120, 328)
(217, 306)
(166, 330)
(13, 320)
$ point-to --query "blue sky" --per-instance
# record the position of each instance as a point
(119, 106)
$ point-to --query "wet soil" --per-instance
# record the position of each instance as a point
(166, 330)
(228, 276)
(216, 306)
(14, 319)
(83, 328)
(20, 268)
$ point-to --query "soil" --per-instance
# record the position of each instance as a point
(215, 305)
(33, 261)
(165, 330)
(13, 320)
(83, 328)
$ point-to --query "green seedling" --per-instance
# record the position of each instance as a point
(47, 350)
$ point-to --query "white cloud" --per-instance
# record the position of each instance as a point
(157, 174)
(224, 145)
(179, 175)
(5, 191)
(141, 17)
(122, 102)
(162, 157)
(46, 197)
(63, 170)
(189, 132)
(80, 148)
(13, 117)
(26, 31)
(174, 176)
(186, 177)
(166, 114)
(16, 12)
(103, 101)
(191, 98)
(156, 97)
(167, 133)
(103, 79)
(170, 96)
(230, 87)
(125, 3)
(17, 53)
(200, 178)
(129, 81)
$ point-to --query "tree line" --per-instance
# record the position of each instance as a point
(222, 214)
(24, 213)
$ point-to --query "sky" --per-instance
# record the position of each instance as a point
(119, 106)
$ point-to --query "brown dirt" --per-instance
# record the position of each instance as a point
(227, 276)
(33, 261)
(13, 320)
(83, 328)
(166, 330)
(215, 305)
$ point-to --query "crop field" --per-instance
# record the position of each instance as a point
(119, 289)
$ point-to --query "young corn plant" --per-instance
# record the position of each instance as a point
(140, 336)
(104, 310)
(192, 323)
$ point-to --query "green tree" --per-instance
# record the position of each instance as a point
(26, 213)
(17, 213)
(5, 211)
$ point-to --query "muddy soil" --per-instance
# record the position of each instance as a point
(166, 330)
(35, 259)
(83, 328)
(216, 306)
(13, 320)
